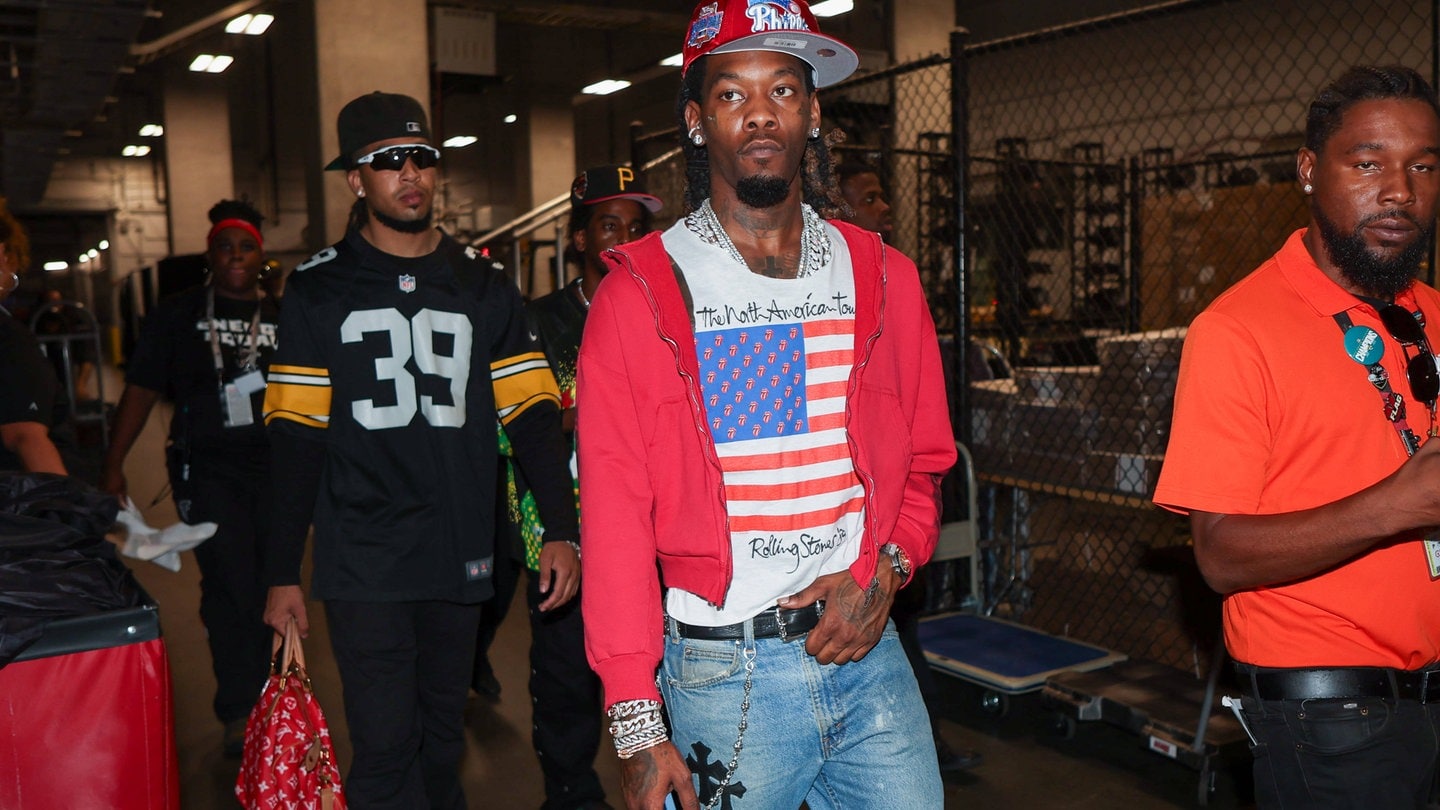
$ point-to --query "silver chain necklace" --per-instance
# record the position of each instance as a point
(814, 244)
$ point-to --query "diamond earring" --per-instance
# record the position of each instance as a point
(1309, 188)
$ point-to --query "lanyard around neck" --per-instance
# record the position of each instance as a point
(1392, 403)
(250, 359)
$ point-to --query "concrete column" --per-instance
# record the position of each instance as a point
(551, 146)
(385, 47)
(198, 170)
(544, 171)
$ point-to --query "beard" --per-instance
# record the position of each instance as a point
(762, 191)
(1377, 276)
(404, 225)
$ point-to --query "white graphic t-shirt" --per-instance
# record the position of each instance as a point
(775, 357)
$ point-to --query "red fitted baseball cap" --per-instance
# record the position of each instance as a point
(782, 26)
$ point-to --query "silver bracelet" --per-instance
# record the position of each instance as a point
(634, 745)
(636, 725)
(624, 708)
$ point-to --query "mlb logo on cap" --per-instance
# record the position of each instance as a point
(782, 26)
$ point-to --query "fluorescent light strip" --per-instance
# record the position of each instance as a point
(673, 60)
(605, 87)
(832, 8)
(459, 141)
(53, 266)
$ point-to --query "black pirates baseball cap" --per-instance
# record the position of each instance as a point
(611, 183)
(377, 117)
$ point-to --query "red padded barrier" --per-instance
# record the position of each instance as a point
(89, 729)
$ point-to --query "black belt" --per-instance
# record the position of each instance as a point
(1342, 682)
(786, 624)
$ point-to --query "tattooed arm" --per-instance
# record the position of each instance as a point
(854, 617)
(651, 774)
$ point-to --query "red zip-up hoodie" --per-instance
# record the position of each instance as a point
(650, 479)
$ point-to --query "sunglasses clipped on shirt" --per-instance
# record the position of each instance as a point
(392, 158)
(1420, 369)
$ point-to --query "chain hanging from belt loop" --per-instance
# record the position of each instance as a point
(730, 769)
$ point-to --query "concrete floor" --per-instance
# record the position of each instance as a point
(1025, 766)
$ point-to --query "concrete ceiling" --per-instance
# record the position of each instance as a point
(59, 60)
(75, 75)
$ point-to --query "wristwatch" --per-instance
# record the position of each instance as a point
(899, 560)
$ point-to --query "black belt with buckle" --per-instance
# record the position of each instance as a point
(1342, 682)
(786, 624)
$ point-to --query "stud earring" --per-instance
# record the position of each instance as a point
(360, 193)
(814, 133)
(1309, 188)
(695, 136)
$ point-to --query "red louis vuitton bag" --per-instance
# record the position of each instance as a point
(288, 760)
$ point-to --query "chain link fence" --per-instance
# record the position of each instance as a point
(1118, 175)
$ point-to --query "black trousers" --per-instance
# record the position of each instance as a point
(565, 702)
(234, 496)
(405, 669)
(1343, 753)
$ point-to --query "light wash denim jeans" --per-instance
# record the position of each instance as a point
(838, 737)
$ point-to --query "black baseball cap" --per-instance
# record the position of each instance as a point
(377, 117)
(611, 183)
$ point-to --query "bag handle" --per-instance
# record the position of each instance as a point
(288, 648)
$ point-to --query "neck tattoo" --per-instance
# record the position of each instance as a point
(814, 244)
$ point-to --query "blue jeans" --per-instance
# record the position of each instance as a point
(833, 736)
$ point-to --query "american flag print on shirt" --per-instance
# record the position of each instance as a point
(775, 400)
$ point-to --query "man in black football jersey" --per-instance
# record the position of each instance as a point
(399, 348)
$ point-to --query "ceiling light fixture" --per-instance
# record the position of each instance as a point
(832, 8)
(211, 63)
(151, 131)
(605, 87)
(459, 141)
(252, 24)
(511, 118)
(92, 253)
(673, 60)
(53, 266)
(104, 244)
(134, 150)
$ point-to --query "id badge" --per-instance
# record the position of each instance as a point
(250, 382)
(1432, 555)
(236, 405)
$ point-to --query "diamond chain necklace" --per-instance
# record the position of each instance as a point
(814, 244)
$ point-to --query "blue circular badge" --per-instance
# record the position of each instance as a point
(1364, 345)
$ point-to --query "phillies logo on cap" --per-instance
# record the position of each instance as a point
(775, 15)
(706, 26)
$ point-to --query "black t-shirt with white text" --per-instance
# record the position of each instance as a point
(174, 356)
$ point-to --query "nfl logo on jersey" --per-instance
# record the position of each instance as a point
(407, 284)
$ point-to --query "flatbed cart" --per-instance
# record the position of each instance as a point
(1177, 714)
(1002, 657)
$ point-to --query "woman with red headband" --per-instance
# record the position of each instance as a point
(208, 350)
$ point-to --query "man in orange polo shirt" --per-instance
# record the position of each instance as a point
(1299, 450)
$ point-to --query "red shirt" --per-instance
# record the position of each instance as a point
(1273, 416)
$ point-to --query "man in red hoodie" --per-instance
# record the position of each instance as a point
(764, 415)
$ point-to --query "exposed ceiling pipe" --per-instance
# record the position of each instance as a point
(148, 51)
